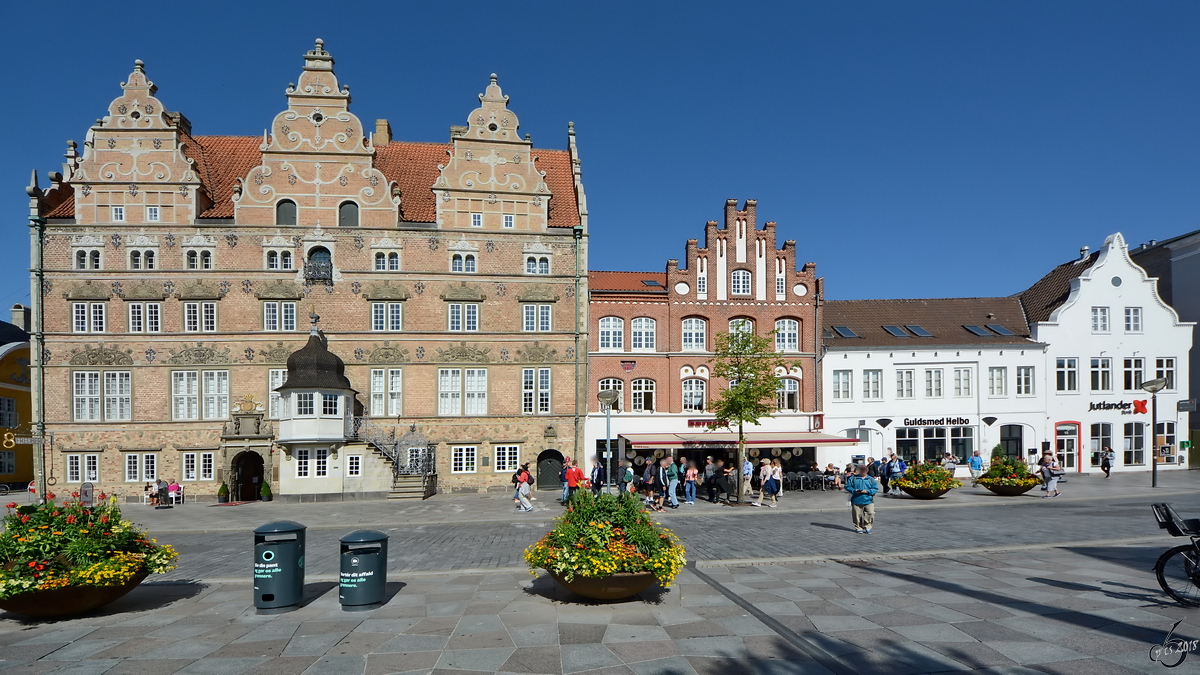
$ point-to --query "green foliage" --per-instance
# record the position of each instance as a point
(928, 476)
(1008, 471)
(997, 451)
(223, 491)
(265, 490)
(748, 361)
(605, 535)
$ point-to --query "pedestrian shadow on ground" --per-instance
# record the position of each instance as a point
(315, 590)
(830, 526)
(147, 597)
(546, 587)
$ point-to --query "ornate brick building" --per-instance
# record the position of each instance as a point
(174, 273)
(652, 336)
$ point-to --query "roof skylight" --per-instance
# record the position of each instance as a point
(896, 331)
(918, 331)
(845, 331)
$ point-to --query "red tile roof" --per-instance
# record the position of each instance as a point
(66, 208)
(945, 318)
(627, 281)
(1051, 291)
(221, 160)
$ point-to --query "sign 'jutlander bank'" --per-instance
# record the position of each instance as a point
(937, 422)
(1124, 407)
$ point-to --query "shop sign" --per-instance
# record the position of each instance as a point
(1125, 407)
(705, 424)
(937, 422)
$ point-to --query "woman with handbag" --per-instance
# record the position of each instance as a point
(1051, 472)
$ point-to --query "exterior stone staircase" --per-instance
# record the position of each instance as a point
(413, 467)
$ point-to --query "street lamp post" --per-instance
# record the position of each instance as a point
(608, 398)
(1154, 386)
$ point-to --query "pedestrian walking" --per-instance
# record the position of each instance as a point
(950, 463)
(575, 478)
(747, 475)
(689, 484)
(562, 475)
(1051, 472)
(626, 476)
(523, 480)
(648, 481)
(672, 483)
(660, 482)
(598, 477)
(891, 471)
(862, 489)
(710, 479)
(872, 467)
(975, 464)
(764, 474)
(721, 481)
(1107, 457)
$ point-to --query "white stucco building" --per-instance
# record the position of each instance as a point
(1107, 330)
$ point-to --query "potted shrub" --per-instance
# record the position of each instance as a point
(607, 548)
(926, 481)
(1008, 476)
(264, 492)
(60, 559)
(223, 494)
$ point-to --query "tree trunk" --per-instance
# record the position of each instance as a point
(741, 459)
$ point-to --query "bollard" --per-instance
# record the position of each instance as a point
(363, 575)
(278, 567)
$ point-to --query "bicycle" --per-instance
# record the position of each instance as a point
(1178, 569)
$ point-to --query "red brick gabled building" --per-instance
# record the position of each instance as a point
(651, 336)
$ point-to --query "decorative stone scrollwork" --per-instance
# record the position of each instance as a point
(490, 246)
(386, 291)
(279, 289)
(116, 240)
(140, 240)
(249, 353)
(247, 286)
(434, 243)
(537, 293)
(170, 237)
(231, 239)
(359, 242)
(101, 356)
(356, 287)
(463, 293)
(504, 354)
(150, 355)
(87, 290)
(276, 354)
(420, 353)
(388, 354)
(199, 356)
(198, 289)
(501, 289)
(419, 287)
(463, 353)
(359, 354)
(537, 353)
(116, 289)
(463, 245)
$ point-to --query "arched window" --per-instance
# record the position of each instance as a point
(694, 338)
(643, 395)
(94, 258)
(531, 265)
(135, 260)
(741, 325)
(380, 261)
(612, 333)
(641, 334)
(81, 260)
(543, 266)
(788, 392)
(285, 260)
(320, 265)
(193, 260)
(694, 395)
(206, 260)
(272, 260)
(393, 262)
(469, 263)
(456, 262)
(348, 215)
(148, 257)
(614, 384)
(741, 283)
(787, 335)
(285, 212)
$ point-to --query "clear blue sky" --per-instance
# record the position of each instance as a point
(913, 149)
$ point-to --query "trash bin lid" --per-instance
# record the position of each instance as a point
(280, 526)
(364, 536)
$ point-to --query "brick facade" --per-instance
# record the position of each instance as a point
(397, 223)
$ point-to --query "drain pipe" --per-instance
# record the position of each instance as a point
(37, 233)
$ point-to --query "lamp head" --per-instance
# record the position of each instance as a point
(1156, 385)
(608, 397)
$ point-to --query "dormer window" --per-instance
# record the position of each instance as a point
(462, 263)
(348, 215)
(285, 212)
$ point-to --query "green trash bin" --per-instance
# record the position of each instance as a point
(363, 578)
(278, 567)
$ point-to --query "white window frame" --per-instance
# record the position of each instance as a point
(118, 395)
(476, 220)
(321, 463)
(1066, 375)
(303, 468)
(1165, 366)
(507, 458)
(153, 214)
(788, 387)
(463, 459)
(741, 324)
(331, 405)
(963, 382)
(199, 317)
(87, 395)
(780, 285)
(190, 470)
(88, 317)
(1100, 323)
(998, 381)
(787, 335)
(905, 384)
(144, 317)
(306, 404)
(639, 389)
(214, 394)
(613, 384)
(1133, 373)
(1100, 374)
(353, 466)
(510, 221)
(702, 284)
(872, 385)
(133, 467)
(1133, 319)
(536, 318)
(695, 334)
(462, 317)
(207, 466)
(933, 383)
(1025, 381)
(535, 391)
(116, 214)
(741, 282)
(612, 334)
(73, 468)
(843, 387)
(387, 392)
(643, 334)
(387, 316)
(462, 392)
(695, 394)
(279, 316)
(276, 377)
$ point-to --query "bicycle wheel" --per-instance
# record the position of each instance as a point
(1178, 572)
(3, 490)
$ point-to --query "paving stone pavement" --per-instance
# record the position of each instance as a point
(1092, 610)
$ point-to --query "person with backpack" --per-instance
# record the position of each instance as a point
(562, 476)
(648, 487)
(523, 479)
(862, 489)
(872, 467)
(892, 470)
(975, 464)
(626, 476)
(575, 478)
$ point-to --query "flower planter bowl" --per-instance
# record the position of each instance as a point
(1010, 490)
(56, 602)
(924, 493)
(614, 587)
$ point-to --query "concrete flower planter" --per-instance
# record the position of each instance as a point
(56, 602)
(924, 493)
(1010, 490)
(614, 587)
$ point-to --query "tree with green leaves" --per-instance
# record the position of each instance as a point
(748, 361)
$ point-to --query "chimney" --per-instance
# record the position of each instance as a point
(383, 133)
(20, 317)
(1083, 253)
(458, 131)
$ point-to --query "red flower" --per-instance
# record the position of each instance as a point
(24, 519)
(50, 495)
(71, 519)
(31, 564)
(10, 505)
(103, 496)
(75, 495)
(54, 514)
(104, 519)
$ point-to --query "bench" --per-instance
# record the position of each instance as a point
(1170, 521)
